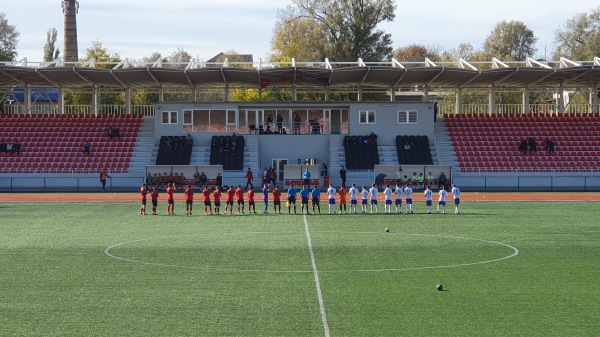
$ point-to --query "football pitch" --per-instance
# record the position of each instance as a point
(102, 269)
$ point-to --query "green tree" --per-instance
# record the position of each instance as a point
(579, 38)
(104, 60)
(9, 37)
(341, 30)
(416, 53)
(511, 41)
(50, 51)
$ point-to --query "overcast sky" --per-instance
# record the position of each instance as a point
(137, 28)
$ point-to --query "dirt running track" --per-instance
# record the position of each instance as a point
(134, 197)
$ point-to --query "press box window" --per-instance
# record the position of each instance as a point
(367, 117)
(169, 117)
(407, 117)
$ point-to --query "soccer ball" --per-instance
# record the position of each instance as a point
(440, 287)
(387, 229)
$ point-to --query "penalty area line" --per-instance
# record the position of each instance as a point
(317, 282)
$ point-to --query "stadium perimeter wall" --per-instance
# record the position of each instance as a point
(528, 181)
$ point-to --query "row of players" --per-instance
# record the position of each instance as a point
(367, 196)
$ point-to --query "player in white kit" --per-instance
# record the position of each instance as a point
(442, 200)
(399, 191)
(456, 194)
(353, 191)
(428, 198)
(388, 198)
(373, 193)
(364, 198)
(408, 191)
(331, 194)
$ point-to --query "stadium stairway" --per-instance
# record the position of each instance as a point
(200, 155)
(251, 153)
(144, 150)
(337, 158)
(444, 148)
(388, 155)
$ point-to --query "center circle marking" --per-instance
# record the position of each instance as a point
(515, 252)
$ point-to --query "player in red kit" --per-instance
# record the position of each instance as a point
(189, 199)
(230, 195)
(251, 205)
(217, 196)
(144, 192)
(277, 199)
(207, 205)
(154, 197)
(170, 199)
(239, 193)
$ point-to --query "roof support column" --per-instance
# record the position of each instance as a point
(326, 94)
(593, 100)
(226, 94)
(561, 100)
(525, 108)
(459, 101)
(393, 95)
(95, 100)
(492, 101)
(294, 93)
(161, 93)
(359, 97)
(128, 101)
(425, 93)
(27, 99)
(61, 101)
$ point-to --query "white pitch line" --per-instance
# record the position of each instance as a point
(317, 282)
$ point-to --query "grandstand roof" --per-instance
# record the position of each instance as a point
(376, 75)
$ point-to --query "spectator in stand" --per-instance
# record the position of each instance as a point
(110, 133)
(16, 148)
(87, 148)
(297, 123)
(523, 147)
(280, 123)
(116, 133)
(2, 146)
(9, 148)
(372, 138)
(442, 181)
(189, 140)
(269, 121)
(343, 175)
(219, 181)
(203, 178)
(532, 145)
(197, 180)
(435, 111)
(1, 106)
(550, 146)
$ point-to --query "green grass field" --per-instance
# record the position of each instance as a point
(101, 269)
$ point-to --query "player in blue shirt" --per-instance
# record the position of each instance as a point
(265, 192)
(316, 194)
(291, 198)
(304, 193)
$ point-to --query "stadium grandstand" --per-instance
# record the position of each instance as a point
(417, 105)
